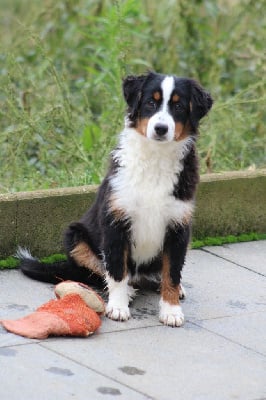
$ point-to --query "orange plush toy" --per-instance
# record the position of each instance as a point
(75, 312)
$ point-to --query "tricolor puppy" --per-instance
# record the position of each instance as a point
(139, 225)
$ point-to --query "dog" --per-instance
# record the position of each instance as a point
(139, 225)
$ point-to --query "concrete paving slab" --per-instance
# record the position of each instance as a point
(217, 288)
(250, 255)
(247, 330)
(20, 296)
(32, 372)
(8, 339)
(217, 355)
(182, 363)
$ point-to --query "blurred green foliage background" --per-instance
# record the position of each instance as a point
(61, 66)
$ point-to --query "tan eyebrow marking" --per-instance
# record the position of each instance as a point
(157, 96)
(175, 98)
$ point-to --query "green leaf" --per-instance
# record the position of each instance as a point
(87, 138)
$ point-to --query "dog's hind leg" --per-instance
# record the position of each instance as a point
(79, 248)
(84, 257)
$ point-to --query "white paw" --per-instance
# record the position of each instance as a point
(171, 315)
(172, 319)
(117, 307)
(117, 313)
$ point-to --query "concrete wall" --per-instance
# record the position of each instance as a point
(228, 203)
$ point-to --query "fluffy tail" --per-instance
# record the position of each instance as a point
(56, 272)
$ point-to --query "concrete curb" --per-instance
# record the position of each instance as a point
(227, 203)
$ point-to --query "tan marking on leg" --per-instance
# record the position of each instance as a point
(169, 292)
(84, 257)
(142, 126)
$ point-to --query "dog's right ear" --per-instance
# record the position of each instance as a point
(132, 86)
(132, 89)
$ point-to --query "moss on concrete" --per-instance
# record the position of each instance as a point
(221, 240)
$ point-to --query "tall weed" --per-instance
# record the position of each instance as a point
(61, 67)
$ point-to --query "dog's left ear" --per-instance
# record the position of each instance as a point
(200, 103)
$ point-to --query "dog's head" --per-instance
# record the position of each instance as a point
(165, 108)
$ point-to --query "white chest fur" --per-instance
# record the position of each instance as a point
(143, 189)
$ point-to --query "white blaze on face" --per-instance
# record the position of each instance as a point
(163, 117)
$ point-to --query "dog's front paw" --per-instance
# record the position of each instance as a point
(117, 313)
(117, 307)
(171, 315)
(172, 319)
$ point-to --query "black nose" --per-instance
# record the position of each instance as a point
(161, 129)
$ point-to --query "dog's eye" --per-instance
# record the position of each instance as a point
(178, 107)
(152, 103)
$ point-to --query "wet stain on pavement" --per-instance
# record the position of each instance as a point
(109, 390)
(132, 370)
(60, 371)
(237, 304)
(143, 313)
(18, 307)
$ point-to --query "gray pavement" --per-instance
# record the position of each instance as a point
(219, 354)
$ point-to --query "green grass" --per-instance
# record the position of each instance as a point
(12, 262)
(9, 263)
(61, 66)
(229, 239)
